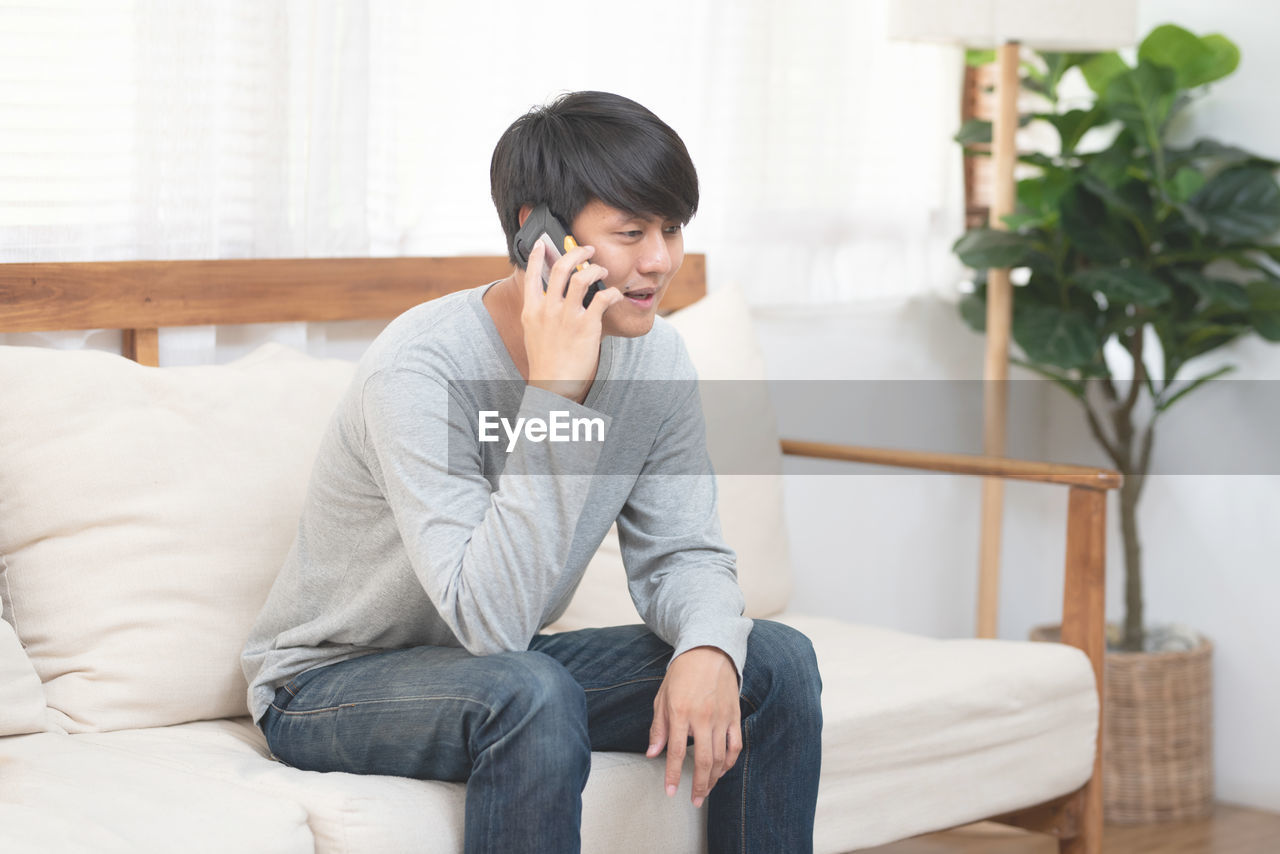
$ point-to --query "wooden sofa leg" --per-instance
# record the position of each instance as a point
(1084, 626)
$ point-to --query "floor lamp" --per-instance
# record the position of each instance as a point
(1007, 25)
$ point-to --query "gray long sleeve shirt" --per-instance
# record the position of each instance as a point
(415, 531)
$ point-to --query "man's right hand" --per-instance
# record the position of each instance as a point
(561, 338)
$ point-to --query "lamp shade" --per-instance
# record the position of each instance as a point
(1064, 25)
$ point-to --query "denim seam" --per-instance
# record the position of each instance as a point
(654, 661)
(486, 706)
(746, 762)
(621, 684)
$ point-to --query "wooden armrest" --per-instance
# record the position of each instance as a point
(1084, 476)
(1083, 600)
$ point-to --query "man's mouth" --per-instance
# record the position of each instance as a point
(641, 296)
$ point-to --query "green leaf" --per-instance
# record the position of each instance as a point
(974, 132)
(1035, 83)
(1035, 158)
(1163, 325)
(1264, 308)
(976, 58)
(1203, 338)
(1193, 217)
(1074, 387)
(1099, 71)
(1195, 384)
(1056, 65)
(1186, 183)
(1221, 291)
(1073, 124)
(980, 248)
(1101, 234)
(1195, 60)
(1019, 221)
(1141, 98)
(1111, 165)
(1223, 58)
(1240, 204)
(1122, 285)
(1217, 152)
(1038, 199)
(1131, 199)
(1051, 336)
(973, 308)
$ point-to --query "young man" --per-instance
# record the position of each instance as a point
(403, 635)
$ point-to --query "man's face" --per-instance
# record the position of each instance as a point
(641, 255)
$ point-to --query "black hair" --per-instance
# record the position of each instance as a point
(591, 145)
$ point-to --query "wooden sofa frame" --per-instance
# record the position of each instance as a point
(139, 297)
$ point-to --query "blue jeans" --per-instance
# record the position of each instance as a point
(519, 728)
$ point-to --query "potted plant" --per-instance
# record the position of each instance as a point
(1136, 243)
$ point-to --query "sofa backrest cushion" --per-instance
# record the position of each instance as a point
(144, 514)
(742, 439)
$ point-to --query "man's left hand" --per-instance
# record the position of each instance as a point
(698, 698)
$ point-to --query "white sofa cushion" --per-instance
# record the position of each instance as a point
(909, 724)
(921, 734)
(22, 708)
(98, 798)
(742, 439)
(624, 807)
(145, 514)
(47, 829)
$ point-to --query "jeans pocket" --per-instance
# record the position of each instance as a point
(271, 721)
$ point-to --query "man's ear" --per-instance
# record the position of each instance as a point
(523, 214)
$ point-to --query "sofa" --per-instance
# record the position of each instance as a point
(144, 512)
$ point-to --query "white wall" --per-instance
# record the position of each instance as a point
(901, 550)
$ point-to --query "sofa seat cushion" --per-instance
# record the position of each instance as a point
(921, 734)
(65, 795)
(624, 801)
(22, 708)
(910, 724)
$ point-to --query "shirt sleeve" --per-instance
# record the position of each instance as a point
(492, 562)
(682, 576)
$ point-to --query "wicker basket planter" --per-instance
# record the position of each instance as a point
(1157, 733)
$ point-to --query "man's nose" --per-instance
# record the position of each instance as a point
(655, 257)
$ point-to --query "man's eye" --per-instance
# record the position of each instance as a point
(673, 229)
(630, 233)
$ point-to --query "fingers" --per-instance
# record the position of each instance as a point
(565, 277)
(733, 746)
(703, 764)
(677, 743)
(719, 754)
(603, 300)
(583, 279)
(657, 735)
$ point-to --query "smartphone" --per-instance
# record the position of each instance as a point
(542, 225)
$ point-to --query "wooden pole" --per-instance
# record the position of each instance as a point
(1084, 613)
(995, 401)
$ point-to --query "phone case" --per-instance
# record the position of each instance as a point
(543, 225)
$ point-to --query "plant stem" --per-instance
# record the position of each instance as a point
(1133, 615)
(1134, 470)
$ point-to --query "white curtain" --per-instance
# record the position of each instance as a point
(261, 128)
